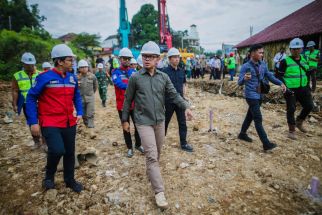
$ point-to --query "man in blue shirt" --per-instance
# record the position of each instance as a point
(178, 79)
(250, 75)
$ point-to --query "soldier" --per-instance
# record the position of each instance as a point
(87, 86)
(102, 83)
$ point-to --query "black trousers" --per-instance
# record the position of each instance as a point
(61, 143)
(127, 135)
(304, 97)
(311, 75)
(170, 108)
(212, 73)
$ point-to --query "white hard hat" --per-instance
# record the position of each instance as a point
(296, 43)
(82, 63)
(133, 61)
(46, 65)
(188, 58)
(125, 52)
(100, 66)
(150, 48)
(310, 44)
(61, 50)
(28, 58)
(173, 52)
(139, 60)
(197, 56)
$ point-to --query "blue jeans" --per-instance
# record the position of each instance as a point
(61, 143)
(254, 113)
(232, 74)
(170, 108)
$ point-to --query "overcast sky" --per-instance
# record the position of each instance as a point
(218, 21)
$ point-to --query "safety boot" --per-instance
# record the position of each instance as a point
(291, 132)
(299, 125)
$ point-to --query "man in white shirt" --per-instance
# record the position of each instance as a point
(278, 58)
(217, 67)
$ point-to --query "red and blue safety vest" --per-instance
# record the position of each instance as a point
(120, 78)
(56, 96)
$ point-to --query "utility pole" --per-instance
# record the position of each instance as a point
(9, 22)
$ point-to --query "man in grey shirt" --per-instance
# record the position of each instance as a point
(147, 89)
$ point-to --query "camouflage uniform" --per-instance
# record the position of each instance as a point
(102, 85)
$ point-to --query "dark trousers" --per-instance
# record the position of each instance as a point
(254, 113)
(61, 143)
(127, 135)
(311, 75)
(170, 108)
(212, 74)
(304, 97)
(218, 73)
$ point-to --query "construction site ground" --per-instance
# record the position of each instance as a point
(222, 176)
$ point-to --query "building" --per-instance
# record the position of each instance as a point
(67, 37)
(110, 42)
(305, 23)
(192, 38)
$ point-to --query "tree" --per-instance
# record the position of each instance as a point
(145, 25)
(85, 41)
(19, 15)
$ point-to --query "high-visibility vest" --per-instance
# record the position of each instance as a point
(311, 57)
(295, 76)
(24, 82)
(226, 62)
(232, 63)
(115, 63)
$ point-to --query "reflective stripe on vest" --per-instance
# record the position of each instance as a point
(232, 64)
(294, 76)
(311, 56)
(24, 83)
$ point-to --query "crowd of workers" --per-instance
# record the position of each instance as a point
(150, 97)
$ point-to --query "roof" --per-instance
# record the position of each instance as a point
(68, 37)
(305, 21)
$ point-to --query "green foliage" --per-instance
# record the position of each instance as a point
(145, 25)
(21, 15)
(84, 41)
(13, 45)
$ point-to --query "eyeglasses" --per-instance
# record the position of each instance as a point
(149, 56)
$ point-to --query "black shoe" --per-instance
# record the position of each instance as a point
(140, 149)
(75, 186)
(187, 148)
(245, 137)
(48, 184)
(269, 147)
(130, 153)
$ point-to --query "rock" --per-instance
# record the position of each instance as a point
(43, 211)
(276, 186)
(314, 157)
(312, 120)
(35, 194)
(184, 165)
(94, 187)
(211, 200)
(114, 198)
(177, 205)
(301, 168)
(50, 195)
(20, 192)
(114, 143)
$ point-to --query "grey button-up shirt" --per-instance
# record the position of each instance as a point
(148, 94)
(87, 85)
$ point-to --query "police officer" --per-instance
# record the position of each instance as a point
(178, 79)
(87, 85)
(50, 105)
(120, 78)
(312, 56)
(293, 72)
(21, 83)
(101, 76)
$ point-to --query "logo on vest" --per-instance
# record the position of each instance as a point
(71, 80)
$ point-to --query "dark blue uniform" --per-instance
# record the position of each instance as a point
(178, 79)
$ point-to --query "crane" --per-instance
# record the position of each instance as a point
(164, 26)
(124, 28)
